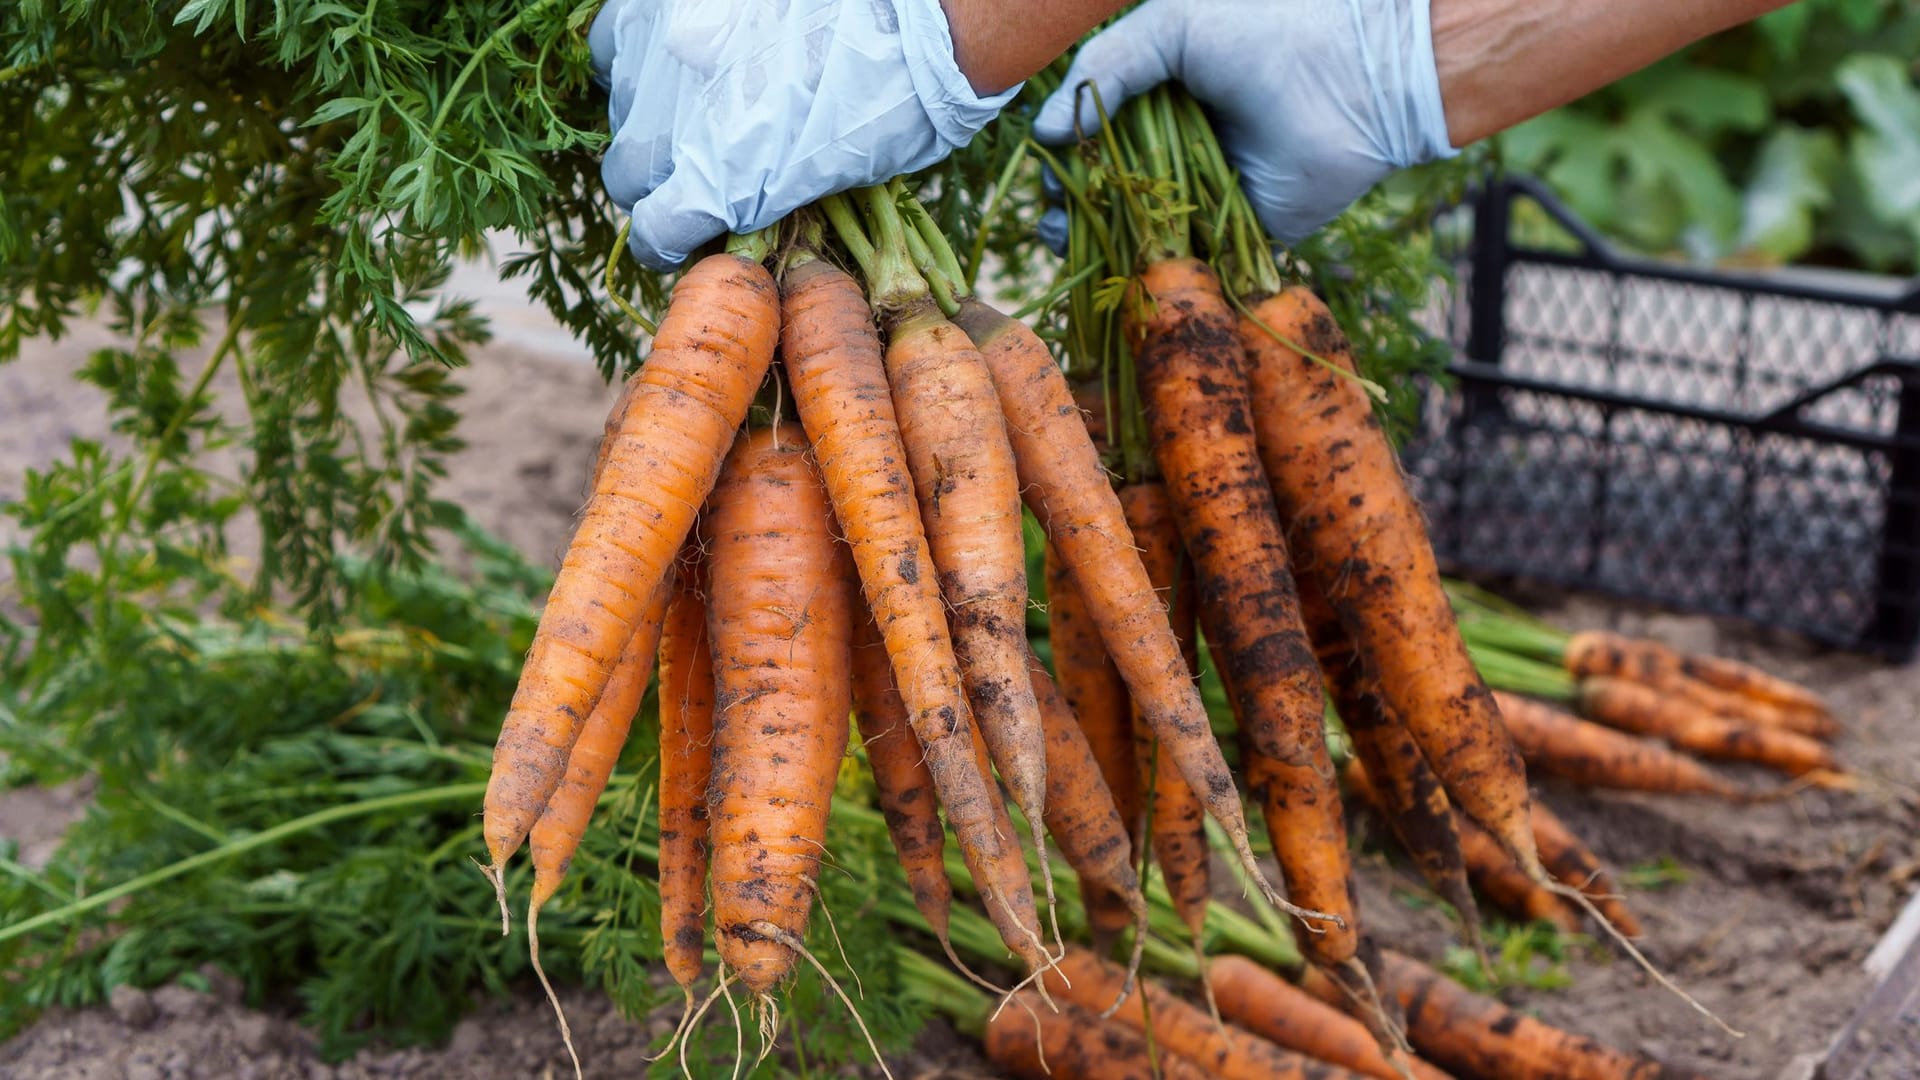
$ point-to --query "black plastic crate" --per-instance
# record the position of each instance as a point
(1743, 444)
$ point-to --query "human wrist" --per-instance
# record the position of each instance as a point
(999, 43)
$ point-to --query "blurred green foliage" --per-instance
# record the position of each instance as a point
(1793, 139)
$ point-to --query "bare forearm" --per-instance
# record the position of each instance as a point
(1000, 42)
(1504, 61)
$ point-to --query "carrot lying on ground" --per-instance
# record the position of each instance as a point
(832, 355)
(708, 359)
(1176, 824)
(1555, 743)
(1180, 1028)
(1642, 710)
(1603, 654)
(902, 782)
(1033, 1040)
(1098, 698)
(1478, 1036)
(686, 767)
(780, 613)
(1067, 488)
(1358, 533)
(1188, 361)
(1276, 1010)
(1413, 802)
(1489, 866)
(1081, 816)
(1575, 865)
(1750, 682)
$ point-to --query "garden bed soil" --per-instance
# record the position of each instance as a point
(1778, 905)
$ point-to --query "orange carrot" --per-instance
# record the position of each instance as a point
(1359, 534)
(900, 777)
(1414, 803)
(1066, 487)
(1032, 1040)
(1098, 698)
(780, 612)
(711, 353)
(686, 767)
(1602, 654)
(1630, 706)
(1180, 1028)
(1558, 744)
(1276, 1010)
(1478, 1036)
(1006, 891)
(832, 355)
(963, 470)
(1752, 683)
(1081, 815)
(1575, 865)
(1177, 824)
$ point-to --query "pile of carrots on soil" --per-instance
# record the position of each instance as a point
(809, 505)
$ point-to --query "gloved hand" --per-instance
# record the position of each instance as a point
(729, 114)
(1315, 101)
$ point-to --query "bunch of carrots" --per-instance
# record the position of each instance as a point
(809, 504)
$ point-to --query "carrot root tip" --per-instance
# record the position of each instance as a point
(533, 953)
(1586, 904)
(496, 876)
(786, 938)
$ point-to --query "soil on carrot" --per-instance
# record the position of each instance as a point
(1765, 913)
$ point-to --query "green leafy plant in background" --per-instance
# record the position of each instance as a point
(1795, 138)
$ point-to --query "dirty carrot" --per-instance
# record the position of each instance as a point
(686, 767)
(1067, 488)
(1477, 1036)
(709, 358)
(1413, 801)
(1176, 822)
(1603, 654)
(1642, 710)
(1751, 682)
(1276, 1010)
(901, 780)
(780, 610)
(1098, 698)
(1033, 1041)
(1556, 743)
(1358, 533)
(1180, 1028)
(1081, 815)
(832, 354)
(1570, 860)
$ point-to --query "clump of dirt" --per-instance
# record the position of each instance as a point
(1775, 906)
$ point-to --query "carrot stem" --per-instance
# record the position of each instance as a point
(893, 282)
(853, 236)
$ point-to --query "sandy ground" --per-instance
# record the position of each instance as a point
(1781, 904)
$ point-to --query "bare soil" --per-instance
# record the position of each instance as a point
(1779, 906)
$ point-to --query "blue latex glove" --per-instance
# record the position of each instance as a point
(727, 115)
(1315, 101)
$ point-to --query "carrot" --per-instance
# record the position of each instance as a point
(1414, 803)
(1358, 534)
(832, 355)
(1570, 861)
(1098, 698)
(1066, 487)
(1176, 822)
(780, 615)
(1558, 744)
(1180, 1028)
(1630, 706)
(1752, 683)
(1274, 1009)
(1489, 866)
(686, 767)
(1599, 653)
(709, 357)
(1081, 815)
(904, 785)
(557, 834)
(1032, 1040)
(1478, 1036)
(1007, 890)
(1189, 365)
